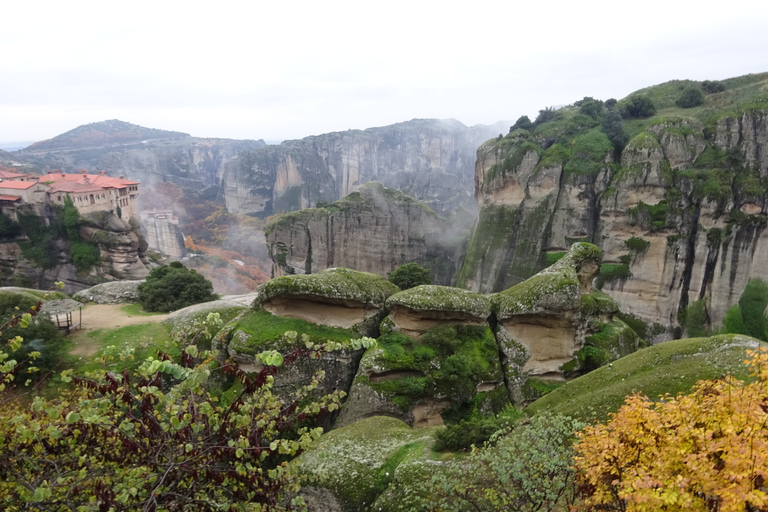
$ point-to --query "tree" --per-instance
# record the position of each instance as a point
(638, 105)
(753, 302)
(613, 128)
(690, 97)
(410, 275)
(172, 287)
(704, 451)
(159, 438)
(712, 86)
(590, 106)
(546, 115)
(522, 123)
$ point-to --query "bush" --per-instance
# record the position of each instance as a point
(637, 106)
(523, 123)
(467, 433)
(694, 319)
(712, 86)
(699, 451)
(614, 130)
(527, 470)
(8, 227)
(753, 302)
(173, 287)
(546, 115)
(590, 107)
(691, 97)
(410, 275)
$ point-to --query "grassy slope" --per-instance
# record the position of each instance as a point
(671, 367)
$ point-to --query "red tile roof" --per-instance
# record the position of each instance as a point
(94, 179)
(8, 175)
(9, 198)
(67, 186)
(20, 185)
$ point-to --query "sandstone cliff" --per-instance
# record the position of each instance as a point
(143, 154)
(375, 229)
(680, 210)
(46, 258)
(429, 159)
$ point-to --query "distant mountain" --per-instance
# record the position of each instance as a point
(104, 133)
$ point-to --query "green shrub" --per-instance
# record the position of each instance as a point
(733, 323)
(526, 470)
(753, 302)
(9, 228)
(690, 97)
(173, 287)
(613, 128)
(410, 275)
(476, 431)
(84, 254)
(637, 106)
(523, 123)
(612, 272)
(712, 86)
(638, 245)
(694, 319)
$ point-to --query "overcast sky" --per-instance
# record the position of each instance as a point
(288, 69)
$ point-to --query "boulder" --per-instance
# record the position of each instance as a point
(337, 297)
(114, 292)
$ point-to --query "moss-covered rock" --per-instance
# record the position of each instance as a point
(332, 284)
(555, 289)
(444, 299)
(337, 297)
(358, 462)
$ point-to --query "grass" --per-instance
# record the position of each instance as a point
(145, 339)
(137, 310)
(267, 331)
(671, 367)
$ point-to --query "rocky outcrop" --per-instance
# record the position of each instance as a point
(162, 233)
(337, 297)
(680, 211)
(429, 159)
(544, 323)
(118, 292)
(375, 229)
(121, 254)
(413, 312)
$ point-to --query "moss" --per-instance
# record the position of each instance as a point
(442, 298)
(669, 367)
(612, 272)
(554, 257)
(614, 340)
(637, 245)
(589, 151)
(265, 331)
(598, 303)
(336, 283)
(555, 288)
(357, 462)
(448, 362)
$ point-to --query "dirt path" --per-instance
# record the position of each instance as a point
(103, 316)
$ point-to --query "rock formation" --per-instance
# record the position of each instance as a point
(428, 159)
(680, 210)
(143, 154)
(121, 255)
(162, 232)
(375, 229)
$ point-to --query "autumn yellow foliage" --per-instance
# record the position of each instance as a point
(702, 451)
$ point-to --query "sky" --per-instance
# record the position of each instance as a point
(282, 70)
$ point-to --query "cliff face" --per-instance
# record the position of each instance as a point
(679, 211)
(143, 154)
(429, 159)
(122, 255)
(373, 230)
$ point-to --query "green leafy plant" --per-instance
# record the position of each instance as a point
(690, 97)
(157, 439)
(173, 287)
(410, 275)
